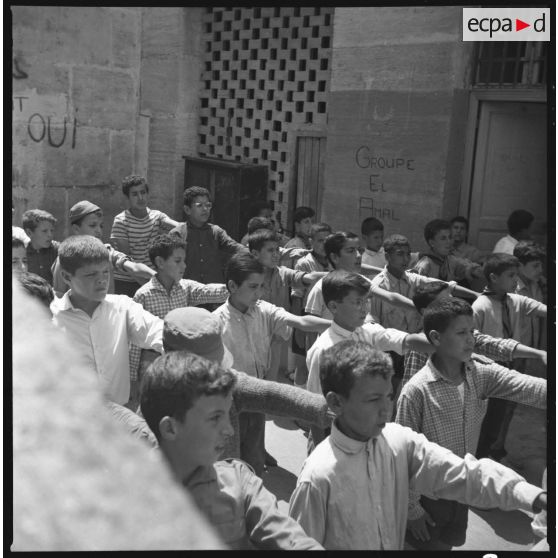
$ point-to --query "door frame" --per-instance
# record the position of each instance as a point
(476, 97)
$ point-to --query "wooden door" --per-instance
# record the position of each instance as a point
(310, 156)
(509, 170)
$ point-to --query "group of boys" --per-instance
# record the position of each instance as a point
(203, 380)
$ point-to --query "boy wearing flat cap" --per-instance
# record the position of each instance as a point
(87, 218)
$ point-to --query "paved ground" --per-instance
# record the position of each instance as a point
(493, 530)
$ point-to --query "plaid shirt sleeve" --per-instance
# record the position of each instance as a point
(503, 383)
(414, 361)
(200, 293)
(117, 259)
(495, 348)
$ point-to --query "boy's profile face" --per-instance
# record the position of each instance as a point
(266, 212)
(441, 243)
(199, 439)
(350, 313)
(90, 281)
(246, 294)
(318, 241)
(137, 197)
(91, 224)
(506, 282)
(458, 232)
(532, 270)
(349, 257)
(457, 341)
(19, 260)
(398, 258)
(374, 240)
(199, 211)
(365, 412)
(174, 266)
(269, 254)
(303, 226)
(42, 236)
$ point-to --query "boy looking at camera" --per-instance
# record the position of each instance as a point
(353, 490)
(41, 248)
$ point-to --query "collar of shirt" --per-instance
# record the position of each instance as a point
(64, 303)
(487, 292)
(33, 250)
(190, 225)
(346, 444)
(157, 285)
(436, 259)
(341, 331)
(393, 280)
(237, 313)
(434, 375)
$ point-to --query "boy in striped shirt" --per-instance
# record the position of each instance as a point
(134, 227)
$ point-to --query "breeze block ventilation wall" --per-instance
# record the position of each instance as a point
(265, 76)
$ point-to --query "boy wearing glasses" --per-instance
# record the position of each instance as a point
(206, 243)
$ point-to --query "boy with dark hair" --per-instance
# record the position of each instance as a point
(134, 228)
(206, 243)
(278, 281)
(19, 256)
(438, 262)
(167, 290)
(302, 220)
(37, 287)
(519, 224)
(460, 248)
(87, 218)
(498, 349)
(41, 249)
(353, 490)
(249, 324)
(342, 252)
(447, 400)
(186, 400)
(315, 260)
(501, 313)
(198, 331)
(101, 326)
(372, 231)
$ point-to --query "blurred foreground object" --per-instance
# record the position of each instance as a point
(80, 482)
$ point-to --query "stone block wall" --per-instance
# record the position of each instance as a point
(397, 112)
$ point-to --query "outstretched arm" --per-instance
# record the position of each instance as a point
(393, 298)
(307, 322)
(138, 270)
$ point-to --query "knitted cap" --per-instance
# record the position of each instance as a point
(81, 209)
(198, 331)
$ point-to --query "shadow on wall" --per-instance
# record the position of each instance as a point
(80, 482)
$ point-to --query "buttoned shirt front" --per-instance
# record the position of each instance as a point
(353, 495)
(248, 334)
(390, 315)
(278, 283)
(242, 511)
(154, 298)
(102, 339)
(383, 339)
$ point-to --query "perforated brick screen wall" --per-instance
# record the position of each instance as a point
(265, 75)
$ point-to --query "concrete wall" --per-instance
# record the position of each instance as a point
(100, 93)
(397, 113)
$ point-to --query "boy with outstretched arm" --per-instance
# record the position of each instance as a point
(353, 490)
(248, 327)
(99, 325)
(447, 400)
(167, 290)
(186, 401)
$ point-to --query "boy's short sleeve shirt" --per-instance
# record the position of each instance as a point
(377, 259)
(248, 335)
(505, 245)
